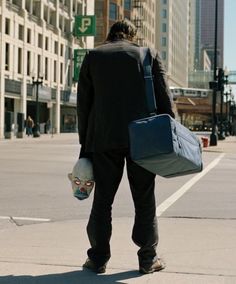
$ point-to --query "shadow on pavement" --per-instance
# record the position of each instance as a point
(74, 277)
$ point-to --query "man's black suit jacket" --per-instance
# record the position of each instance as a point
(111, 93)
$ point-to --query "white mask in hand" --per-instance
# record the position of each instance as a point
(82, 179)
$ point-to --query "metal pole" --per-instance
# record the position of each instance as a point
(214, 136)
(52, 123)
(229, 105)
(37, 127)
(229, 110)
(221, 135)
(37, 130)
(226, 116)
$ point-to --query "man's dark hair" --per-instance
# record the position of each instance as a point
(122, 30)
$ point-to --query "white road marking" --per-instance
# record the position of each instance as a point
(24, 219)
(174, 197)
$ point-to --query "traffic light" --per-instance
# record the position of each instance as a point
(221, 79)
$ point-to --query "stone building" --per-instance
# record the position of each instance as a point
(36, 40)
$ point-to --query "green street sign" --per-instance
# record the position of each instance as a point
(85, 26)
(79, 55)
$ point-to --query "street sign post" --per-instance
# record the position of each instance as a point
(79, 55)
(85, 26)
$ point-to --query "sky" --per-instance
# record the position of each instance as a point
(230, 36)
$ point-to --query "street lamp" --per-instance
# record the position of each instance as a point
(37, 82)
(227, 133)
(213, 85)
(227, 120)
(231, 106)
(222, 81)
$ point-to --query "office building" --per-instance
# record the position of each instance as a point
(192, 36)
(36, 40)
(172, 39)
(207, 25)
(140, 12)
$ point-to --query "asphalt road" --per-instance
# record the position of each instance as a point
(34, 184)
(42, 226)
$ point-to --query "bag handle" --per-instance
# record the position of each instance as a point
(148, 77)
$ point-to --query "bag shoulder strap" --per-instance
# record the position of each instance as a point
(149, 87)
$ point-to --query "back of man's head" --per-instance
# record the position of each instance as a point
(123, 29)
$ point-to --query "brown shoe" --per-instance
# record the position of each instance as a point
(89, 264)
(156, 266)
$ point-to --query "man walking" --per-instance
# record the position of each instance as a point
(29, 126)
(111, 94)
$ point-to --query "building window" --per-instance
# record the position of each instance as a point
(69, 53)
(56, 47)
(21, 32)
(113, 11)
(19, 60)
(79, 9)
(28, 4)
(7, 27)
(164, 13)
(61, 22)
(164, 2)
(164, 29)
(69, 76)
(28, 35)
(163, 55)
(61, 73)
(36, 8)
(163, 41)
(74, 6)
(99, 7)
(55, 71)
(28, 63)
(39, 65)
(46, 69)
(40, 40)
(67, 26)
(127, 5)
(45, 14)
(16, 2)
(7, 56)
(46, 43)
(62, 50)
(52, 18)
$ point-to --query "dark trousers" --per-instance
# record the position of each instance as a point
(108, 171)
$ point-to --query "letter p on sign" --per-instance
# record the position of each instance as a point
(85, 26)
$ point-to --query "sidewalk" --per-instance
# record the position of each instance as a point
(54, 252)
(227, 146)
(42, 138)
